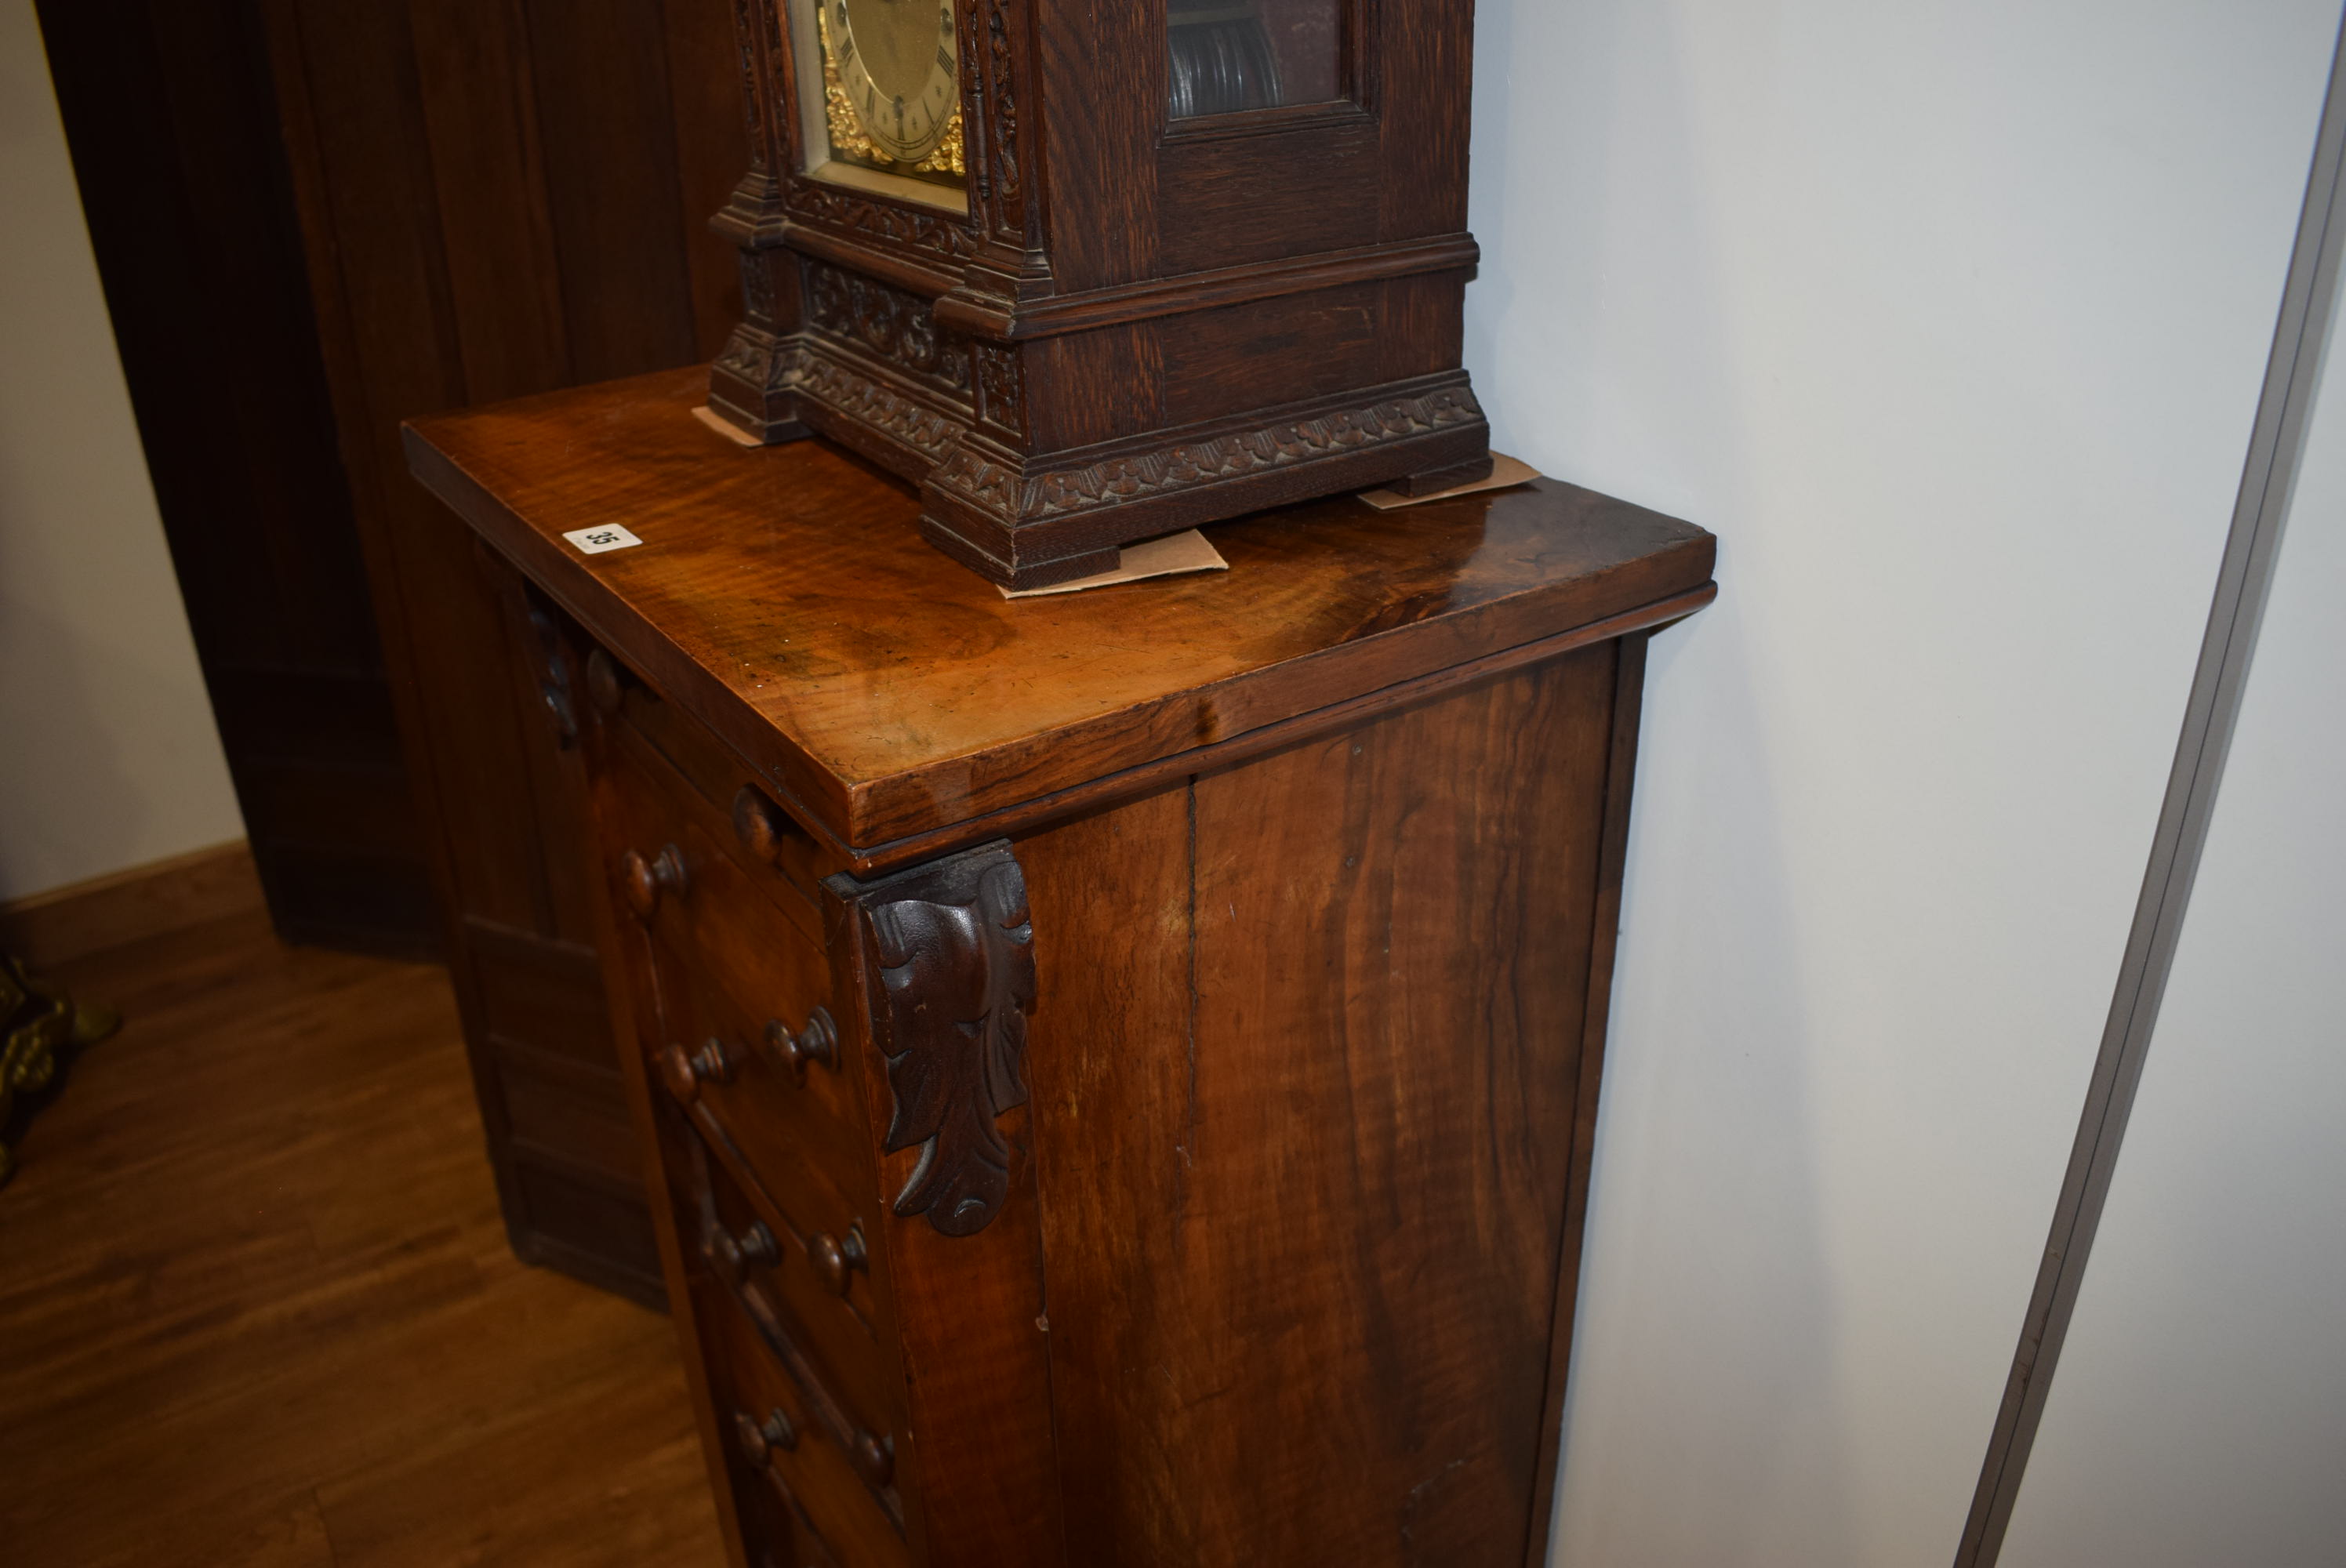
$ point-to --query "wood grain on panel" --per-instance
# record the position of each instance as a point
(1114, 1077)
(1225, 203)
(1318, 343)
(1310, 1251)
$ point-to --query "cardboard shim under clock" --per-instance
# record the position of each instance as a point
(725, 428)
(1505, 471)
(1189, 551)
(1173, 554)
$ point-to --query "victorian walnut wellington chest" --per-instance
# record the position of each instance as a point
(1117, 1069)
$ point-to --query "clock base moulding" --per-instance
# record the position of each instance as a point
(1138, 320)
(959, 416)
(1029, 521)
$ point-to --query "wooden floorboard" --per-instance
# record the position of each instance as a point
(256, 1307)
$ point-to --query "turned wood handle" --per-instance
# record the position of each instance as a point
(646, 881)
(684, 1072)
(603, 681)
(818, 1042)
(756, 822)
(836, 1261)
(759, 1439)
(565, 716)
(874, 1457)
(732, 1253)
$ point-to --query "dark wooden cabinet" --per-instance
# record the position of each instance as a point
(1119, 1069)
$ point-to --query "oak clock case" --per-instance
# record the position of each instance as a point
(1112, 272)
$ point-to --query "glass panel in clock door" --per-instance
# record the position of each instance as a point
(1230, 56)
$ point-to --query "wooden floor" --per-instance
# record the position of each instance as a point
(256, 1306)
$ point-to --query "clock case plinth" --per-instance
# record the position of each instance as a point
(1140, 325)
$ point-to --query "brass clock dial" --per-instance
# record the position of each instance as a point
(892, 84)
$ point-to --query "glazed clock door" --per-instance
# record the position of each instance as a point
(1226, 56)
(880, 92)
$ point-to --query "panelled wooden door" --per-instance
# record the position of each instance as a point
(167, 112)
(316, 219)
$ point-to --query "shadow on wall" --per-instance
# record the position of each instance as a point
(1949, 322)
(1701, 1272)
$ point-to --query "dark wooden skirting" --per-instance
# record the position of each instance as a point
(139, 905)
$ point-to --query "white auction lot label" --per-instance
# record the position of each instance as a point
(595, 541)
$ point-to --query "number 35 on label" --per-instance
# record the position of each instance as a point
(595, 541)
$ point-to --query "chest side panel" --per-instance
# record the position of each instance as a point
(1305, 1135)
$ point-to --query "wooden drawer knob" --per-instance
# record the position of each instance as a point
(818, 1042)
(732, 1253)
(759, 1439)
(835, 1261)
(874, 1457)
(756, 822)
(565, 717)
(603, 681)
(684, 1072)
(646, 881)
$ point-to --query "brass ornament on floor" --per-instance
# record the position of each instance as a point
(41, 1021)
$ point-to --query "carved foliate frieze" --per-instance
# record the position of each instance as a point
(991, 485)
(757, 357)
(938, 236)
(879, 406)
(885, 321)
(952, 949)
(1006, 492)
(756, 289)
(1006, 186)
(749, 33)
(999, 399)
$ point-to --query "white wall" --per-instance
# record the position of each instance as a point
(107, 754)
(2198, 1413)
(1950, 319)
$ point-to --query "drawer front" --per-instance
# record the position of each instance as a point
(792, 1273)
(746, 1048)
(789, 1433)
(776, 846)
(736, 957)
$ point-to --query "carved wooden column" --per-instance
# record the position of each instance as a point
(753, 384)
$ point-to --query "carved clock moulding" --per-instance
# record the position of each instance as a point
(1089, 274)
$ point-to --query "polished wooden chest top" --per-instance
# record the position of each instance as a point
(888, 694)
(1117, 1070)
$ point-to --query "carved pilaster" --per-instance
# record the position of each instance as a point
(951, 977)
(753, 384)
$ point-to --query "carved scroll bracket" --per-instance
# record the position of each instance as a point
(951, 948)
